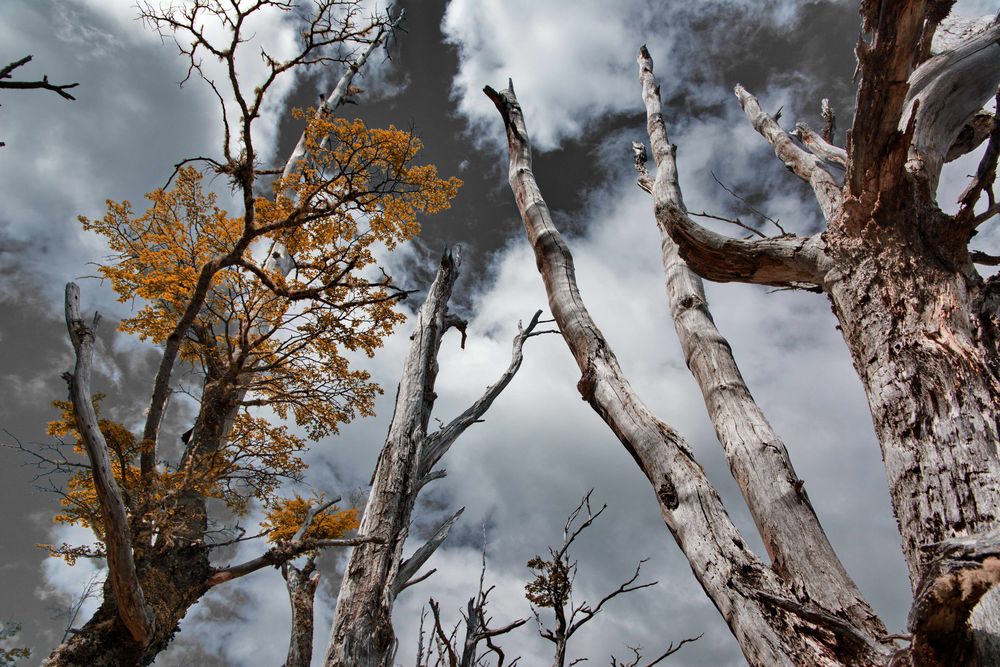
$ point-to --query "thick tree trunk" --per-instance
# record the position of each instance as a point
(173, 580)
(908, 308)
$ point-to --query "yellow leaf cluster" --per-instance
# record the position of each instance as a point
(287, 515)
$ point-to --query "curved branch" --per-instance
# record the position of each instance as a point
(970, 137)
(129, 599)
(438, 443)
(781, 261)
(944, 95)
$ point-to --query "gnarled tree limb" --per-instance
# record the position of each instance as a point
(807, 167)
(132, 608)
(440, 441)
(944, 95)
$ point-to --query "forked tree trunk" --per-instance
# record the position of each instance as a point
(362, 634)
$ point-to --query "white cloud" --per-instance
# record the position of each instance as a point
(573, 61)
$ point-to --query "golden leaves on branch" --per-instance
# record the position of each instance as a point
(287, 515)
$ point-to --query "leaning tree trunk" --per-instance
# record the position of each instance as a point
(772, 625)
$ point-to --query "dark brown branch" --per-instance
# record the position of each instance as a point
(985, 259)
(671, 649)
(755, 211)
(60, 89)
(281, 553)
(959, 572)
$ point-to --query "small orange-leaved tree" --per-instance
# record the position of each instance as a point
(286, 299)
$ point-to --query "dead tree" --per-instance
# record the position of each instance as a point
(450, 651)
(362, 634)
(552, 588)
(919, 320)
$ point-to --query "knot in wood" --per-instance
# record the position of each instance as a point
(668, 494)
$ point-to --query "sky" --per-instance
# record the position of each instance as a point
(541, 448)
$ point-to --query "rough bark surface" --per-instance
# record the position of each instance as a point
(301, 584)
(362, 633)
(920, 322)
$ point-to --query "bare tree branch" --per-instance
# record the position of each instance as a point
(807, 167)
(412, 564)
(7, 70)
(779, 261)
(283, 552)
(944, 94)
(440, 442)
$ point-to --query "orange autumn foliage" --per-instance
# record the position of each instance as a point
(286, 516)
(277, 335)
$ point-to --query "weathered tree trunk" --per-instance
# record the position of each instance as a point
(800, 552)
(362, 634)
(920, 322)
(301, 584)
(773, 628)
